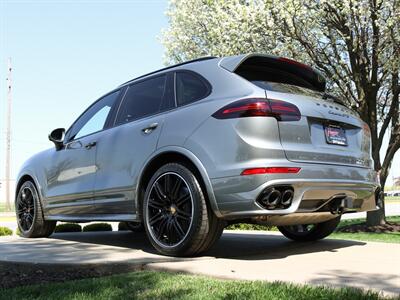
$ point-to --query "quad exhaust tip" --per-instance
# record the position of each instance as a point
(276, 197)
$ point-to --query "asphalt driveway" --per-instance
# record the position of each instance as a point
(238, 255)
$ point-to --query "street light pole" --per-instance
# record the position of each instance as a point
(8, 137)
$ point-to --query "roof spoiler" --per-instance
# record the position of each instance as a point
(314, 77)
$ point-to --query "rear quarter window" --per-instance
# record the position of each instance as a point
(190, 88)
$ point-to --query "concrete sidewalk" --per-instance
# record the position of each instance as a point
(238, 255)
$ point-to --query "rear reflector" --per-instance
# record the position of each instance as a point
(270, 170)
(259, 107)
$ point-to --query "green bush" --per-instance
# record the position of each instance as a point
(5, 231)
(245, 226)
(68, 227)
(122, 226)
(97, 227)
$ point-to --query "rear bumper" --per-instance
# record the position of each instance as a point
(236, 196)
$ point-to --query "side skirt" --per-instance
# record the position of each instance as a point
(92, 218)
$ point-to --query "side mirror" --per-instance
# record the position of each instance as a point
(57, 137)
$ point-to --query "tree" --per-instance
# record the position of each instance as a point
(356, 44)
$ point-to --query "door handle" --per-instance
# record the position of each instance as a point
(150, 128)
(90, 145)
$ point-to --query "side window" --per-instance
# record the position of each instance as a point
(142, 99)
(189, 88)
(94, 118)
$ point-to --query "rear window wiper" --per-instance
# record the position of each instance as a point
(326, 96)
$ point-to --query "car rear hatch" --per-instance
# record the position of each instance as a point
(327, 132)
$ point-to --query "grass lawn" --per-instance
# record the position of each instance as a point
(394, 200)
(392, 237)
(358, 221)
(160, 285)
(387, 237)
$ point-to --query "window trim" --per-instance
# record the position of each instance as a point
(68, 139)
(166, 74)
(198, 76)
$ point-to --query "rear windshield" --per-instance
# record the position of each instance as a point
(280, 74)
(286, 88)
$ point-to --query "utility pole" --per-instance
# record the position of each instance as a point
(8, 137)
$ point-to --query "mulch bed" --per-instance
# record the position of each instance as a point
(22, 274)
(362, 227)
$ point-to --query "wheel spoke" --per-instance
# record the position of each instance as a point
(167, 183)
(179, 229)
(154, 204)
(176, 188)
(182, 199)
(161, 228)
(159, 192)
(28, 222)
(169, 229)
(183, 215)
(157, 217)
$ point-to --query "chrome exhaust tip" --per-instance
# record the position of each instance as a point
(272, 199)
(276, 197)
(287, 197)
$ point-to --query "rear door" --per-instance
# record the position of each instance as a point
(122, 152)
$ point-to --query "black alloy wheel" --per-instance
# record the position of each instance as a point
(25, 208)
(170, 209)
(30, 218)
(176, 214)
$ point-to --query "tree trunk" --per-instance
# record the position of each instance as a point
(377, 217)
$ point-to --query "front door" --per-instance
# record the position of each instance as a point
(70, 181)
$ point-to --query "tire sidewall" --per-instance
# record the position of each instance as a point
(197, 197)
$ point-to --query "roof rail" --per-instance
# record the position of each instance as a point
(170, 67)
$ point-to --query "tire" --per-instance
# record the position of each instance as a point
(135, 226)
(177, 219)
(31, 222)
(309, 232)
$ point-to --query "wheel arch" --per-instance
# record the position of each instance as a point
(174, 154)
(22, 179)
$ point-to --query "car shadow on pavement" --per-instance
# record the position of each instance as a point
(254, 246)
(232, 245)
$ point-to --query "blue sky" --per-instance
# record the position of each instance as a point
(65, 55)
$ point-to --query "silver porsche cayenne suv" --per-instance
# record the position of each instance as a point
(187, 150)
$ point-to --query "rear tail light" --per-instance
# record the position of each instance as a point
(258, 107)
(271, 170)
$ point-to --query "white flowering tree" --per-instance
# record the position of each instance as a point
(356, 44)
